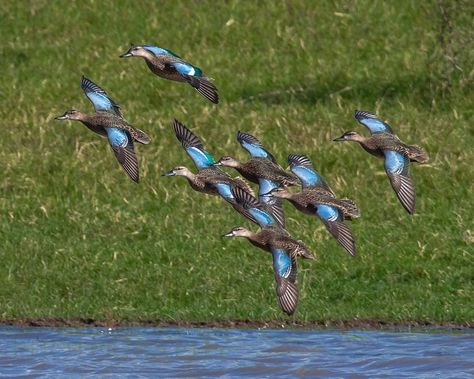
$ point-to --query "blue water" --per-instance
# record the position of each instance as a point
(210, 353)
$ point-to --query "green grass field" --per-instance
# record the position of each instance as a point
(79, 239)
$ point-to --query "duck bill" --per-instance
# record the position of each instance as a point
(64, 116)
(217, 164)
(128, 53)
(339, 139)
(169, 173)
(230, 234)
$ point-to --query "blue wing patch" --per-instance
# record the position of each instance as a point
(186, 69)
(99, 97)
(255, 150)
(266, 186)
(262, 217)
(117, 137)
(202, 159)
(371, 121)
(224, 190)
(308, 176)
(396, 163)
(327, 212)
(160, 51)
(253, 146)
(281, 262)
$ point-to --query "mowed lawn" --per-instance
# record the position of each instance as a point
(79, 239)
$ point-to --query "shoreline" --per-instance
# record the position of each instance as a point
(77, 322)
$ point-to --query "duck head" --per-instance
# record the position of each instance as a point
(71, 115)
(178, 171)
(135, 51)
(349, 136)
(280, 192)
(227, 161)
(238, 231)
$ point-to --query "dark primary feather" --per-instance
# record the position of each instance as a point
(98, 97)
(343, 235)
(242, 183)
(302, 167)
(275, 209)
(254, 146)
(204, 87)
(372, 122)
(286, 289)
(405, 190)
(185, 136)
(250, 205)
(128, 159)
(193, 146)
(397, 169)
(245, 198)
(299, 160)
(288, 299)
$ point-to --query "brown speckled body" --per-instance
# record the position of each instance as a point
(206, 179)
(264, 168)
(378, 142)
(278, 238)
(101, 120)
(159, 65)
(305, 202)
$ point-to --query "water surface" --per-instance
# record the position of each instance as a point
(210, 353)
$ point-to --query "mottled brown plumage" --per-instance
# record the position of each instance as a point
(284, 250)
(309, 201)
(108, 121)
(168, 65)
(260, 168)
(383, 143)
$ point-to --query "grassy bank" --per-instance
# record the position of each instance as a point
(79, 239)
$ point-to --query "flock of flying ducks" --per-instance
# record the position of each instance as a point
(314, 196)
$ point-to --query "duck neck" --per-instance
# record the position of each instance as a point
(147, 55)
(190, 176)
(84, 118)
(252, 236)
(361, 139)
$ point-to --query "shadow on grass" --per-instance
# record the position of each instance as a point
(408, 86)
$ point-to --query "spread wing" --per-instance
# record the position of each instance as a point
(251, 208)
(241, 182)
(285, 269)
(333, 220)
(372, 122)
(160, 51)
(253, 146)
(302, 167)
(396, 167)
(196, 79)
(99, 98)
(225, 190)
(122, 144)
(193, 146)
(271, 204)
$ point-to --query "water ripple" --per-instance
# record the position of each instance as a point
(210, 353)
